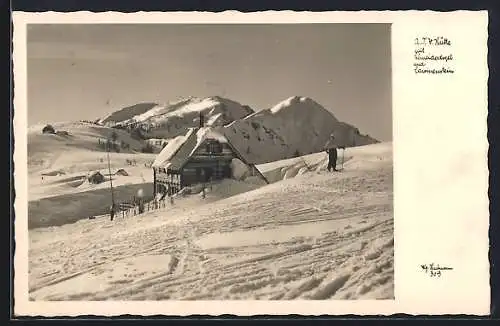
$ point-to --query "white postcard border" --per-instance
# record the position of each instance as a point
(442, 118)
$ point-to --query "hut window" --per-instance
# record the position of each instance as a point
(214, 147)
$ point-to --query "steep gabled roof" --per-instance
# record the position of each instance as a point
(202, 134)
(179, 149)
(177, 152)
(218, 133)
(234, 140)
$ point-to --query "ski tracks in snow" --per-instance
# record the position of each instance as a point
(297, 239)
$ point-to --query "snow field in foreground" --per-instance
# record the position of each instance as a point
(316, 236)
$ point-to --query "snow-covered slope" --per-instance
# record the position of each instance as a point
(59, 166)
(171, 120)
(127, 113)
(73, 138)
(314, 236)
(294, 127)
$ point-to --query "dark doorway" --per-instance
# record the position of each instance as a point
(227, 171)
(208, 174)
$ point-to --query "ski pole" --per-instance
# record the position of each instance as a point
(342, 160)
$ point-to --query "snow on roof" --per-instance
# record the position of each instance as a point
(172, 148)
(181, 147)
(213, 119)
(208, 133)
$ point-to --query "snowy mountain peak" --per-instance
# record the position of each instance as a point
(296, 102)
(297, 99)
(295, 126)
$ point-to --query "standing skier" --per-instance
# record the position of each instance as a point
(331, 149)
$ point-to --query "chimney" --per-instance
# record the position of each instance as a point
(202, 120)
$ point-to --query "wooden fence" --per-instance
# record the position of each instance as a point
(128, 209)
(131, 209)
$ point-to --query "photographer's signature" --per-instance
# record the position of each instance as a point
(434, 270)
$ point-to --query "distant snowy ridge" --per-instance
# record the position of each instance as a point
(127, 113)
(173, 119)
(296, 126)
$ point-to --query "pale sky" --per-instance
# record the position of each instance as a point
(87, 71)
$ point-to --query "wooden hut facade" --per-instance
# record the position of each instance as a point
(200, 156)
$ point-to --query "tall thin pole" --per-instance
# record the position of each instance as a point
(111, 181)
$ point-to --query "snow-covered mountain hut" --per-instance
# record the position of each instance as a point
(203, 154)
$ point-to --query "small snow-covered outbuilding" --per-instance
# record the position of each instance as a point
(122, 172)
(96, 178)
(201, 155)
